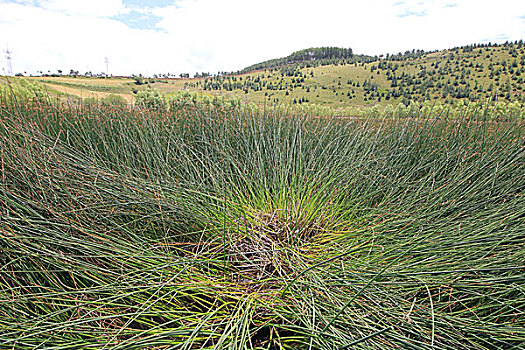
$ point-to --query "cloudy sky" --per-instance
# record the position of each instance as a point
(188, 36)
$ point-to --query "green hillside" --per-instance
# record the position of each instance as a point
(312, 57)
(472, 73)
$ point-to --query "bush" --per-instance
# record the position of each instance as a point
(185, 98)
(151, 99)
(23, 88)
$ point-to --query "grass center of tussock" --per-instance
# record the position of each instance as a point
(256, 247)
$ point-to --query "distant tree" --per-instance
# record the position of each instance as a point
(138, 80)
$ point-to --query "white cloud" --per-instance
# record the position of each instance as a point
(95, 8)
(211, 35)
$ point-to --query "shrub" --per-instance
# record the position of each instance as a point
(152, 99)
(23, 88)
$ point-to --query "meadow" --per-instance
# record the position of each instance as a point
(239, 228)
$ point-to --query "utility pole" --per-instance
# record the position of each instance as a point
(106, 61)
(9, 59)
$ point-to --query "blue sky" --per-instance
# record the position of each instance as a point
(186, 36)
(138, 19)
(140, 15)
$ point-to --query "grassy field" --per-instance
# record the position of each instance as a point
(126, 228)
(445, 77)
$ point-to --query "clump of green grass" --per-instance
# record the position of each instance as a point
(199, 229)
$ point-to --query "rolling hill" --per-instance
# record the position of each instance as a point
(475, 72)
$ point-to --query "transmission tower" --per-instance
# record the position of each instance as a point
(9, 59)
(106, 61)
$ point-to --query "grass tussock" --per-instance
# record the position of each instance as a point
(195, 229)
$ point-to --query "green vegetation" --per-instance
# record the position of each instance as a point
(109, 100)
(210, 228)
(83, 85)
(114, 100)
(22, 88)
(151, 99)
(310, 58)
(471, 73)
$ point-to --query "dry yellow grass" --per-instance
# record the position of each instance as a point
(86, 93)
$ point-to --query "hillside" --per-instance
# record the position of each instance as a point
(338, 78)
(310, 58)
(476, 72)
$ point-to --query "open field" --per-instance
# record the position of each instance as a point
(83, 94)
(189, 228)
